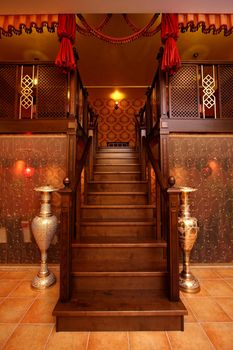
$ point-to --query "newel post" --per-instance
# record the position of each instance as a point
(65, 240)
(173, 239)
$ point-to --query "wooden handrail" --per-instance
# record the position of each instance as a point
(82, 162)
(155, 166)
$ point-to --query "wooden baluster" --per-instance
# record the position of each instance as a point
(65, 240)
(173, 241)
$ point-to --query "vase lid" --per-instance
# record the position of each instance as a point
(46, 188)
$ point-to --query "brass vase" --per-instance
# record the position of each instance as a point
(44, 227)
(188, 229)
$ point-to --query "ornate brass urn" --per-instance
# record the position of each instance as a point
(188, 229)
(44, 227)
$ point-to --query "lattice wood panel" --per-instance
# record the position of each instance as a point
(8, 95)
(183, 93)
(226, 90)
(52, 93)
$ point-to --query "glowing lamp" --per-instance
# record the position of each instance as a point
(116, 96)
(28, 171)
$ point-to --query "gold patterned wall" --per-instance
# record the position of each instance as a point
(206, 163)
(116, 125)
(27, 161)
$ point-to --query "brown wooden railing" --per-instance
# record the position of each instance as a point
(70, 214)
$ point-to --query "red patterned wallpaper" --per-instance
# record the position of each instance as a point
(116, 125)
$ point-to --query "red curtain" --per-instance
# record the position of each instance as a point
(169, 34)
(66, 32)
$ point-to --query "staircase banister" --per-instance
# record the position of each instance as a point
(155, 166)
(65, 239)
(82, 162)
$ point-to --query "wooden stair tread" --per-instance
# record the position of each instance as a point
(120, 222)
(148, 244)
(118, 206)
(119, 302)
(106, 193)
(119, 273)
(118, 240)
(117, 182)
(117, 172)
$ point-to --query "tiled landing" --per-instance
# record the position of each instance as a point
(26, 322)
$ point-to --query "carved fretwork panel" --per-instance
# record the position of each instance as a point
(183, 93)
(206, 163)
(226, 90)
(52, 93)
(8, 92)
(45, 156)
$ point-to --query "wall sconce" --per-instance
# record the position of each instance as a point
(116, 96)
(116, 105)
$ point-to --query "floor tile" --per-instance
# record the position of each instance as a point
(203, 273)
(218, 288)
(40, 312)
(206, 310)
(108, 340)
(29, 337)
(51, 292)
(6, 286)
(202, 293)
(24, 289)
(193, 338)
(5, 331)
(13, 275)
(190, 317)
(225, 272)
(227, 305)
(67, 341)
(220, 334)
(229, 281)
(12, 309)
(148, 341)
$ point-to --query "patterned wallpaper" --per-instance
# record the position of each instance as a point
(116, 125)
(206, 163)
(45, 157)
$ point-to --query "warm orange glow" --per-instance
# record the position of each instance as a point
(28, 171)
(117, 95)
(19, 167)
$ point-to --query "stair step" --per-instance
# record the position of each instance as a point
(156, 280)
(117, 175)
(118, 229)
(117, 212)
(117, 168)
(118, 257)
(119, 310)
(129, 150)
(117, 198)
(115, 186)
(116, 160)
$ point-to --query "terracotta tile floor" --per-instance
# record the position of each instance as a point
(26, 322)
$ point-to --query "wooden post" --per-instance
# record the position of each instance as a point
(71, 149)
(65, 241)
(85, 110)
(173, 242)
(143, 152)
(91, 155)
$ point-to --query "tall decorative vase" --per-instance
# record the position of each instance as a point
(188, 229)
(44, 227)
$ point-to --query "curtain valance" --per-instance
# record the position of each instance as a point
(16, 24)
(209, 23)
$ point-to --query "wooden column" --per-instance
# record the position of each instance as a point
(85, 110)
(173, 242)
(71, 150)
(65, 242)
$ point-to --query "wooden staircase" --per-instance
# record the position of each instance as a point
(119, 276)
